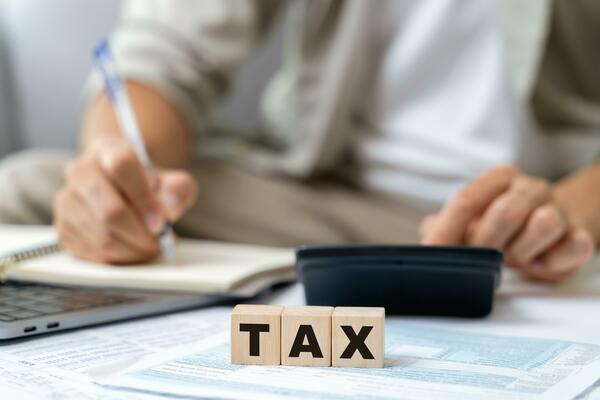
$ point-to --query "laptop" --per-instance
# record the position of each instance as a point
(28, 309)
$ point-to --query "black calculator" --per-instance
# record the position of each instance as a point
(406, 280)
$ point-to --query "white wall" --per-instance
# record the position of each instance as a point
(50, 42)
(8, 126)
(49, 45)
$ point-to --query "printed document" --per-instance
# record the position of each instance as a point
(422, 362)
(189, 353)
(61, 366)
(592, 393)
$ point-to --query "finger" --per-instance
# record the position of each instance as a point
(87, 240)
(178, 191)
(427, 224)
(472, 229)
(82, 236)
(509, 212)
(563, 259)
(469, 203)
(109, 244)
(123, 168)
(71, 242)
(545, 227)
(69, 239)
(109, 209)
(543, 276)
(569, 254)
(112, 249)
(72, 216)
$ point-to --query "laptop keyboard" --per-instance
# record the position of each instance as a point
(20, 301)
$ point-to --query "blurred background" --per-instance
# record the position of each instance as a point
(45, 57)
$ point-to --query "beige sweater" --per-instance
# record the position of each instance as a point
(190, 51)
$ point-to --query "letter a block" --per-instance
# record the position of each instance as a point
(357, 337)
(306, 336)
(256, 334)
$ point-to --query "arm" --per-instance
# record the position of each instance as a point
(579, 195)
(166, 133)
(177, 58)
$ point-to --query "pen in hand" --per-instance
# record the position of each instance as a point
(117, 93)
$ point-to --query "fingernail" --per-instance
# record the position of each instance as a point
(154, 222)
(172, 205)
(170, 200)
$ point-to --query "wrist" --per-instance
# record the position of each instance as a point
(579, 196)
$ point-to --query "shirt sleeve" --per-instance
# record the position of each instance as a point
(187, 50)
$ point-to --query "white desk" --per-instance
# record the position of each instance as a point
(59, 366)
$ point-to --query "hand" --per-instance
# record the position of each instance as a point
(517, 214)
(107, 210)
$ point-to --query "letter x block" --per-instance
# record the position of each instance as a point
(357, 337)
(306, 336)
(256, 334)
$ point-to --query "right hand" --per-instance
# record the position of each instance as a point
(107, 210)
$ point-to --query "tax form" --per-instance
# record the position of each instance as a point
(421, 362)
(62, 366)
(539, 341)
(591, 393)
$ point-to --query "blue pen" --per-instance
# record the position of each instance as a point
(117, 93)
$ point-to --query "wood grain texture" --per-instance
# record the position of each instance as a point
(256, 334)
(365, 325)
(306, 336)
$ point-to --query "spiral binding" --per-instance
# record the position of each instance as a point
(8, 261)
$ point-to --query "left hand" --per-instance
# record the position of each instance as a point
(517, 214)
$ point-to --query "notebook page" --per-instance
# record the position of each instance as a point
(15, 238)
(201, 267)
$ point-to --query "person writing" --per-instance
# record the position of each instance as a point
(387, 122)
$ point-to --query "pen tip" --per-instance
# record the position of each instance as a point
(167, 244)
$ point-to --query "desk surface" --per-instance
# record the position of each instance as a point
(59, 366)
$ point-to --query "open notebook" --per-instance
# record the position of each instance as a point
(202, 266)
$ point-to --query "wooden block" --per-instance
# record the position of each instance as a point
(256, 334)
(357, 337)
(306, 336)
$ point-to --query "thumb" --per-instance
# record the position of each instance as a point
(177, 192)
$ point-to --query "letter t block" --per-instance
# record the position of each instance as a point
(256, 334)
(357, 337)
